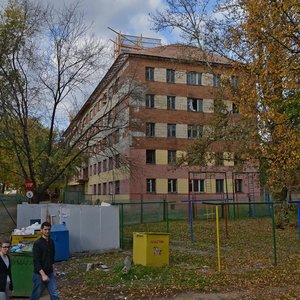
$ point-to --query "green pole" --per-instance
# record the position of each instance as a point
(142, 208)
(167, 213)
(274, 234)
(122, 227)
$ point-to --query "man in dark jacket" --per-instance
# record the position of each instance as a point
(43, 260)
(5, 271)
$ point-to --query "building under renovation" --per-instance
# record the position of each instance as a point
(150, 106)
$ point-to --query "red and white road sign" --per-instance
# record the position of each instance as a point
(29, 185)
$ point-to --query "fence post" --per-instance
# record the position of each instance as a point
(122, 227)
(167, 211)
(142, 211)
(164, 210)
(274, 233)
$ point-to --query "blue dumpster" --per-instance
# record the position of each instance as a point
(60, 236)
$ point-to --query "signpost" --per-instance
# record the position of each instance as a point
(29, 186)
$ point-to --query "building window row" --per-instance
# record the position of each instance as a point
(195, 185)
(193, 131)
(106, 188)
(192, 77)
(219, 158)
(193, 104)
(105, 165)
(114, 88)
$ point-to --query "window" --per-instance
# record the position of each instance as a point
(219, 185)
(117, 187)
(91, 170)
(194, 104)
(104, 188)
(237, 159)
(171, 157)
(99, 167)
(94, 189)
(117, 136)
(149, 74)
(150, 156)
(197, 186)
(170, 76)
(110, 188)
(171, 102)
(217, 80)
(99, 188)
(104, 165)
(172, 185)
(117, 161)
(85, 172)
(194, 78)
(235, 81)
(109, 140)
(151, 185)
(110, 163)
(150, 129)
(239, 185)
(235, 109)
(195, 131)
(171, 130)
(219, 160)
(94, 169)
(150, 100)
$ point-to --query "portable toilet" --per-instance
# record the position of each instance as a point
(60, 236)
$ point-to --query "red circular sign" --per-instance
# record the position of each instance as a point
(29, 185)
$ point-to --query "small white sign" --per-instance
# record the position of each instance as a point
(29, 194)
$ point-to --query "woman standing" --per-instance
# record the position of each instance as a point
(5, 271)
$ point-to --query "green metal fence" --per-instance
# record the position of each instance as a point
(157, 216)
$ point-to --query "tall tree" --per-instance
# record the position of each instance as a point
(262, 38)
(47, 57)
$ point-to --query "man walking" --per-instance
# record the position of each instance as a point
(43, 260)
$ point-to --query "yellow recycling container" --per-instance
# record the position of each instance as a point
(16, 239)
(151, 248)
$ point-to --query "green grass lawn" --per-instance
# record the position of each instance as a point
(246, 256)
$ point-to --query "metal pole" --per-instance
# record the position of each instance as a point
(142, 212)
(218, 238)
(122, 227)
(191, 221)
(298, 204)
(167, 213)
(274, 233)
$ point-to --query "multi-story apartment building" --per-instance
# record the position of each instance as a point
(170, 93)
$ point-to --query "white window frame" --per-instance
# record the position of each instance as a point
(194, 104)
(194, 78)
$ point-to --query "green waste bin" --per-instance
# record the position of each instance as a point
(21, 269)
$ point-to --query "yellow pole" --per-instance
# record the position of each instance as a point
(218, 238)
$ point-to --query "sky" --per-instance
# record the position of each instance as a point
(125, 16)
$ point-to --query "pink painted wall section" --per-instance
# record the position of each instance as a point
(140, 171)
